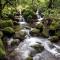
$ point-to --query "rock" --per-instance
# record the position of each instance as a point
(38, 47)
(15, 23)
(1, 34)
(54, 38)
(45, 32)
(40, 27)
(8, 31)
(15, 42)
(20, 35)
(51, 32)
(34, 32)
(6, 23)
(2, 50)
(29, 58)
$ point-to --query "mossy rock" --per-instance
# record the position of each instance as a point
(1, 34)
(38, 47)
(8, 31)
(34, 32)
(6, 23)
(15, 42)
(29, 14)
(54, 38)
(45, 32)
(29, 58)
(2, 50)
(20, 35)
(40, 27)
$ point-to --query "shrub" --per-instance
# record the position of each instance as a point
(29, 15)
(8, 31)
(6, 23)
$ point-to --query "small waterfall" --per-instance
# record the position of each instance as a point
(38, 15)
(22, 20)
(51, 51)
(25, 48)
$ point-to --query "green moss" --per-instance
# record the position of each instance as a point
(2, 50)
(39, 48)
(34, 30)
(8, 31)
(54, 38)
(6, 23)
(1, 34)
(29, 15)
(29, 58)
(20, 35)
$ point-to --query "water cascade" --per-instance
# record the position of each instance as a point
(24, 49)
(38, 15)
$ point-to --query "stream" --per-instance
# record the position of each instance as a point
(51, 51)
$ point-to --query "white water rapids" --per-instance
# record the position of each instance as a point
(24, 49)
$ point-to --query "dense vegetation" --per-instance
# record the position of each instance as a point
(9, 26)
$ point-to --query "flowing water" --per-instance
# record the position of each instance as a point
(51, 51)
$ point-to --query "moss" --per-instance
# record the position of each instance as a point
(45, 32)
(29, 15)
(40, 27)
(29, 58)
(15, 42)
(2, 50)
(34, 32)
(20, 35)
(8, 31)
(6, 23)
(1, 34)
(54, 38)
(39, 48)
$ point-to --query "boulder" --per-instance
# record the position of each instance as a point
(15, 42)
(54, 38)
(20, 35)
(1, 34)
(34, 32)
(38, 47)
(8, 31)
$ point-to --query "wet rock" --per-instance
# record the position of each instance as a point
(15, 42)
(6, 23)
(51, 32)
(45, 32)
(40, 27)
(15, 23)
(29, 58)
(38, 47)
(54, 38)
(20, 35)
(8, 31)
(1, 34)
(34, 32)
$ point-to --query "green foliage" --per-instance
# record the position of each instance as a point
(8, 31)
(6, 23)
(2, 50)
(29, 15)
